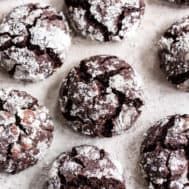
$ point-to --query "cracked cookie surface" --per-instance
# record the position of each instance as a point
(34, 40)
(101, 97)
(85, 167)
(165, 156)
(104, 20)
(174, 54)
(26, 130)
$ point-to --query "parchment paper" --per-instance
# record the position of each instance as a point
(161, 98)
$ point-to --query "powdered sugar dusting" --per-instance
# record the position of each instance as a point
(49, 36)
(125, 119)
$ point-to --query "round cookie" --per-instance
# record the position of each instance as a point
(85, 167)
(104, 20)
(101, 97)
(164, 152)
(174, 54)
(34, 40)
(26, 131)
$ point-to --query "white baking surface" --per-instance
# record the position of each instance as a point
(140, 51)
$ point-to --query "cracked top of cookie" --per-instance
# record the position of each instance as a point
(101, 97)
(174, 53)
(85, 167)
(34, 40)
(165, 154)
(104, 20)
(25, 130)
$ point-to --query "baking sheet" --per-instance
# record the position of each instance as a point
(161, 98)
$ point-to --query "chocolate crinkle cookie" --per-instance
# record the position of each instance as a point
(174, 54)
(26, 131)
(101, 97)
(104, 20)
(34, 40)
(165, 154)
(85, 167)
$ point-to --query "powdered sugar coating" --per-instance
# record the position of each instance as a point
(174, 53)
(85, 167)
(25, 130)
(101, 97)
(104, 20)
(34, 40)
(164, 153)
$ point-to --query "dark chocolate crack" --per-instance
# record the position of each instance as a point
(92, 106)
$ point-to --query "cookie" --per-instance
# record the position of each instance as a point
(101, 97)
(165, 154)
(26, 131)
(174, 54)
(180, 2)
(85, 167)
(104, 20)
(34, 40)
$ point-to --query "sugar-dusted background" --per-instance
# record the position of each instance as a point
(140, 51)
